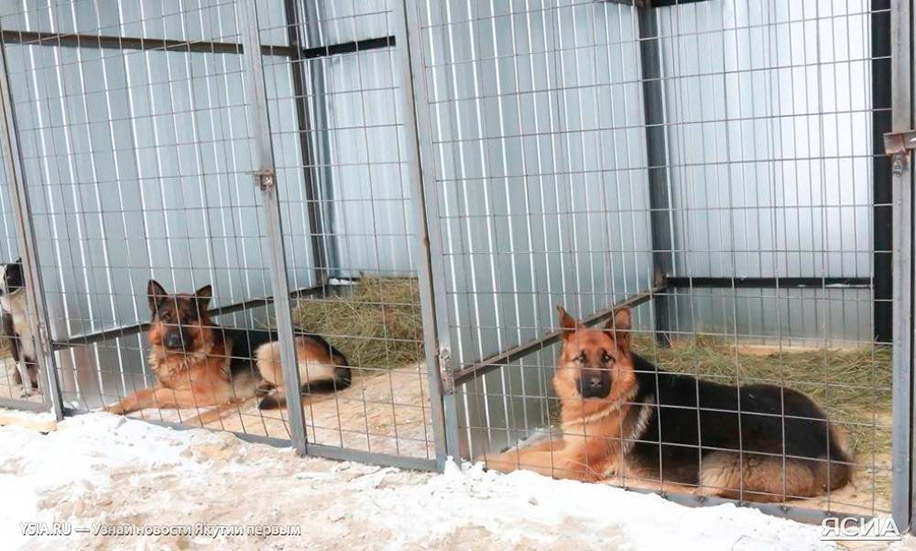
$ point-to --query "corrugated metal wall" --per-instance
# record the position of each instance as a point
(768, 106)
(359, 141)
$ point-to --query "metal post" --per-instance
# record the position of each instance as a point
(265, 178)
(309, 162)
(657, 161)
(426, 202)
(882, 220)
(28, 245)
(321, 145)
(901, 189)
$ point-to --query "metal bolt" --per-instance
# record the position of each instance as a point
(899, 163)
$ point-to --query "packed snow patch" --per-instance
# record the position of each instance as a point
(98, 469)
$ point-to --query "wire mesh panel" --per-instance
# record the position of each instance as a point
(346, 192)
(137, 149)
(701, 177)
(20, 379)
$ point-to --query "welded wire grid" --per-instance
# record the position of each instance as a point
(581, 147)
(137, 151)
(17, 380)
(348, 223)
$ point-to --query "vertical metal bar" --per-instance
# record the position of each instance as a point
(28, 244)
(309, 162)
(902, 185)
(266, 179)
(882, 227)
(657, 161)
(313, 23)
(431, 262)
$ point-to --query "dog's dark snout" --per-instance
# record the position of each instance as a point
(173, 339)
(595, 384)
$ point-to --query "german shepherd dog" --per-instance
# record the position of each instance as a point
(199, 363)
(624, 419)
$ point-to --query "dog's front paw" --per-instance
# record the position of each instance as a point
(505, 462)
(117, 409)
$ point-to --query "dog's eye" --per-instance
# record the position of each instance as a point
(606, 358)
(582, 358)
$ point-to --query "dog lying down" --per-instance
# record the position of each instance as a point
(198, 363)
(626, 421)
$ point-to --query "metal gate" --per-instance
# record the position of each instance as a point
(420, 183)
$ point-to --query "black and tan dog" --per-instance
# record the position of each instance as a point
(199, 364)
(626, 421)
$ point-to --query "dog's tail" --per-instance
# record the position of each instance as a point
(321, 368)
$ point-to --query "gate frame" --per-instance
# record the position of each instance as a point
(265, 178)
(902, 489)
(28, 249)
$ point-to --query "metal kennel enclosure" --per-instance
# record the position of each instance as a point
(442, 174)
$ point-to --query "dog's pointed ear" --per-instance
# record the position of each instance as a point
(155, 293)
(568, 324)
(619, 327)
(203, 296)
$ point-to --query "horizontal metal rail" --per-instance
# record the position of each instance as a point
(770, 282)
(70, 40)
(316, 450)
(24, 405)
(133, 329)
(349, 47)
(483, 367)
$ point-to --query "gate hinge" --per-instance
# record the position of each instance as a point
(446, 375)
(898, 146)
(266, 179)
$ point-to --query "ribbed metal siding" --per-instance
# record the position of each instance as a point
(769, 127)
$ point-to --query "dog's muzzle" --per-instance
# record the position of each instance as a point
(595, 384)
(173, 340)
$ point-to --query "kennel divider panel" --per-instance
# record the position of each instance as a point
(351, 122)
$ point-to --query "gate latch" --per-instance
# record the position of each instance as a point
(898, 146)
(265, 179)
(445, 371)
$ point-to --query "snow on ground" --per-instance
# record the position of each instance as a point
(107, 470)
